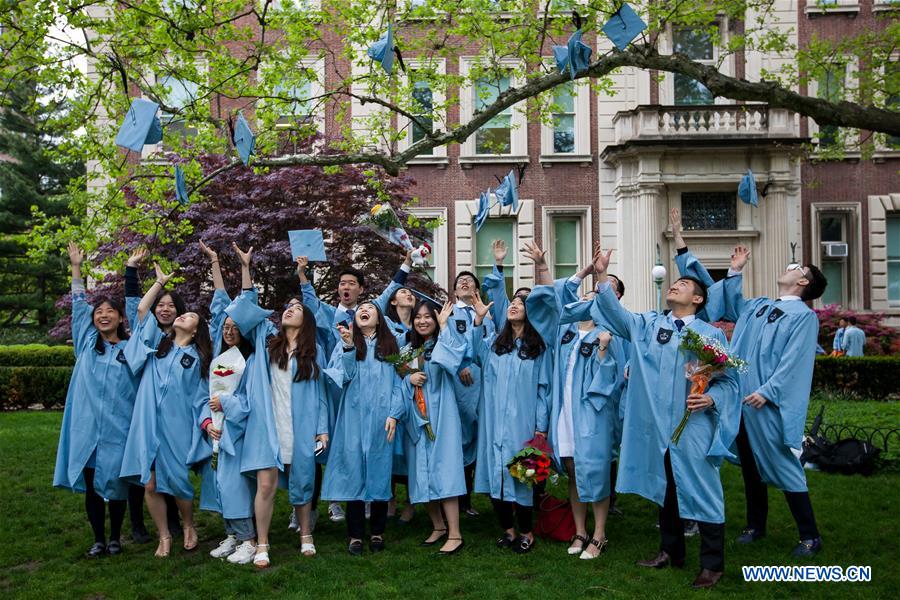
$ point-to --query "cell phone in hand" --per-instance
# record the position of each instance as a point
(320, 447)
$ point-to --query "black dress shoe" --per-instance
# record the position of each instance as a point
(505, 541)
(96, 551)
(706, 579)
(376, 544)
(139, 535)
(808, 548)
(455, 550)
(355, 548)
(114, 548)
(750, 535)
(443, 532)
(522, 545)
(661, 561)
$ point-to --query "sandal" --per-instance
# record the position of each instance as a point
(430, 542)
(261, 560)
(307, 548)
(599, 544)
(190, 541)
(579, 538)
(164, 547)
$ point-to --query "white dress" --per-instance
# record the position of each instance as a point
(281, 405)
(565, 429)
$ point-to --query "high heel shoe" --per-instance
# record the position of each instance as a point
(164, 547)
(190, 538)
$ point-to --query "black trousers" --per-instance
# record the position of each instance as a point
(465, 501)
(356, 518)
(511, 514)
(317, 487)
(95, 507)
(613, 474)
(757, 494)
(671, 530)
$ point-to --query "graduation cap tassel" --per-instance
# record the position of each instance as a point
(399, 58)
(576, 19)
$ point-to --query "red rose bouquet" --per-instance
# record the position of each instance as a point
(532, 463)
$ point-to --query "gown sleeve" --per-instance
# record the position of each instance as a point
(494, 287)
(542, 310)
(82, 320)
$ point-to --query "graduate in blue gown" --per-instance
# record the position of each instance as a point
(361, 459)
(435, 466)
(682, 478)
(225, 489)
(517, 366)
(285, 384)
(98, 411)
(778, 338)
(164, 439)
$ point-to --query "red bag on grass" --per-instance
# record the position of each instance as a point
(555, 520)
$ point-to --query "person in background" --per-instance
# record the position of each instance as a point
(98, 411)
(854, 342)
(837, 347)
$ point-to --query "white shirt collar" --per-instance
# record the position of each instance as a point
(789, 297)
(462, 305)
(342, 308)
(688, 319)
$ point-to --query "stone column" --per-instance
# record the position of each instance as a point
(638, 229)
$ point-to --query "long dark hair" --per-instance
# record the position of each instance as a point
(305, 352)
(202, 343)
(121, 332)
(385, 342)
(532, 344)
(391, 310)
(415, 339)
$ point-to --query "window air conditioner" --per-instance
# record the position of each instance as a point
(836, 250)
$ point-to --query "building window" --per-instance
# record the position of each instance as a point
(698, 45)
(893, 257)
(833, 238)
(177, 94)
(496, 229)
(293, 103)
(566, 246)
(495, 136)
(709, 210)
(831, 88)
(564, 118)
(423, 109)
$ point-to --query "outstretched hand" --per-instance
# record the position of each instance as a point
(601, 260)
(243, 256)
(162, 278)
(500, 251)
(209, 252)
(534, 252)
(481, 309)
(76, 254)
(739, 257)
(138, 255)
(445, 313)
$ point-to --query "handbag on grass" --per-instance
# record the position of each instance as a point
(555, 520)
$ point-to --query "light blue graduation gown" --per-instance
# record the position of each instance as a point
(435, 468)
(596, 386)
(854, 341)
(361, 458)
(309, 406)
(689, 266)
(838, 343)
(98, 410)
(655, 403)
(164, 435)
(516, 400)
(778, 340)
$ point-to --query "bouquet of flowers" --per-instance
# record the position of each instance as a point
(384, 221)
(532, 463)
(712, 359)
(225, 375)
(403, 364)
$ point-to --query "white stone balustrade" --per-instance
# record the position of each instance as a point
(716, 121)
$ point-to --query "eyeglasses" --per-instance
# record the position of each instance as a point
(797, 268)
(465, 279)
(230, 328)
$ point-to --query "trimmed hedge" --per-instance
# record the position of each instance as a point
(861, 377)
(36, 355)
(20, 387)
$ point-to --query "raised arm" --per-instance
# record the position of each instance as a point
(541, 270)
(218, 282)
(620, 321)
(147, 300)
(82, 323)
(133, 285)
(397, 282)
(244, 257)
(735, 303)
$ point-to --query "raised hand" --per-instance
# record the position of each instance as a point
(138, 256)
(500, 251)
(302, 263)
(534, 252)
(675, 220)
(346, 334)
(243, 256)
(739, 257)
(76, 254)
(162, 278)
(445, 313)
(210, 253)
(601, 260)
(480, 308)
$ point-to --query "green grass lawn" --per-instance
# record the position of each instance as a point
(45, 534)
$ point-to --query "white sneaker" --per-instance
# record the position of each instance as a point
(224, 548)
(335, 512)
(293, 524)
(244, 554)
(313, 517)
